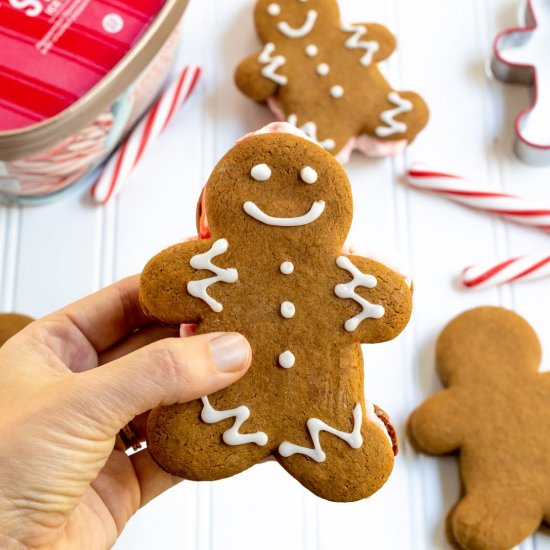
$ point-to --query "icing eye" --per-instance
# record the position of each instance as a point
(274, 9)
(261, 172)
(309, 175)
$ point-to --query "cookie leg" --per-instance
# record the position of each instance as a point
(199, 442)
(496, 520)
(346, 461)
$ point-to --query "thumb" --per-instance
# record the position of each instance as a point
(174, 370)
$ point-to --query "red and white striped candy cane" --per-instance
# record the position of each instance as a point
(458, 189)
(124, 160)
(525, 268)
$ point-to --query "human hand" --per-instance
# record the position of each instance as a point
(63, 484)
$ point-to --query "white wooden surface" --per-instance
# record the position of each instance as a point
(54, 254)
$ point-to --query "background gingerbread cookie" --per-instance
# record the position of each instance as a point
(322, 76)
(279, 208)
(11, 324)
(496, 412)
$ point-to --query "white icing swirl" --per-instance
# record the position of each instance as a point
(345, 291)
(310, 129)
(199, 289)
(393, 126)
(315, 426)
(254, 211)
(299, 32)
(370, 46)
(232, 436)
(272, 64)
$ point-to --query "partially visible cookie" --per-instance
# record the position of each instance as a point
(322, 76)
(11, 324)
(496, 413)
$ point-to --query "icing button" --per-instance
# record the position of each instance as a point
(287, 268)
(312, 50)
(288, 310)
(323, 69)
(337, 92)
(287, 360)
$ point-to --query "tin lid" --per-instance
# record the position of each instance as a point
(63, 62)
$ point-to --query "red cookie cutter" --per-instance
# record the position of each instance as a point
(520, 55)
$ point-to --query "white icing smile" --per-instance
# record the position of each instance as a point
(302, 31)
(254, 211)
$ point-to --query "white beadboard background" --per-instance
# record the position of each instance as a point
(54, 254)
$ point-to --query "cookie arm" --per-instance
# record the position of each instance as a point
(382, 36)
(388, 290)
(252, 83)
(435, 426)
(164, 295)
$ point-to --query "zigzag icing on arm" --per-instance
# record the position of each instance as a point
(393, 126)
(232, 436)
(370, 46)
(315, 426)
(272, 64)
(370, 311)
(198, 289)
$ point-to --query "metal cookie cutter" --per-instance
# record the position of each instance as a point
(521, 55)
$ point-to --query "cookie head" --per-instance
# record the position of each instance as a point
(281, 189)
(279, 20)
(486, 340)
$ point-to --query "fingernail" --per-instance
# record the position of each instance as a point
(230, 352)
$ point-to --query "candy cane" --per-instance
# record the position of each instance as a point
(526, 268)
(458, 189)
(125, 159)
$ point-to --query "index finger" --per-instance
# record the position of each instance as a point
(102, 318)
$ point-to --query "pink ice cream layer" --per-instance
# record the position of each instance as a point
(368, 145)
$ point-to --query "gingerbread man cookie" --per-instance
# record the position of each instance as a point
(11, 324)
(322, 76)
(279, 209)
(496, 413)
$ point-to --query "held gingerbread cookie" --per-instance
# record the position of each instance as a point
(322, 76)
(11, 324)
(496, 413)
(279, 209)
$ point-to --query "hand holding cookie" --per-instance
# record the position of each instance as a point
(68, 383)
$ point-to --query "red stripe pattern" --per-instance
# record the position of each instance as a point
(122, 163)
(525, 268)
(458, 189)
